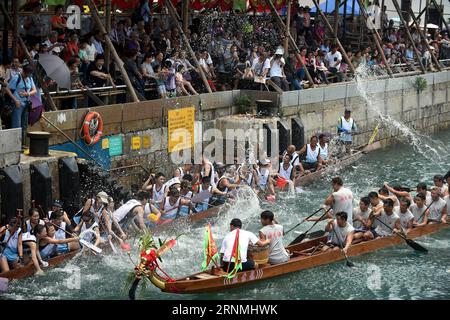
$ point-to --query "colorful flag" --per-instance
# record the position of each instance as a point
(235, 257)
(209, 249)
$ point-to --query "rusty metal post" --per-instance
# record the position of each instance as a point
(375, 36)
(424, 38)
(344, 54)
(397, 7)
(291, 41)
(173, 13)
(119, 62)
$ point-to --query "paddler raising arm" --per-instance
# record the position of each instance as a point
(341, 199)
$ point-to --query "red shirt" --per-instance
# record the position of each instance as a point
(70, 51)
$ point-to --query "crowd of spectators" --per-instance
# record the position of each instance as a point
(234, 50)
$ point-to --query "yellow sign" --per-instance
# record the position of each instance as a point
(135, 143)
(181, 129)
(105, 143)
(146, 142)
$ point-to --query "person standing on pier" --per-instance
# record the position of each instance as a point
(346, 127)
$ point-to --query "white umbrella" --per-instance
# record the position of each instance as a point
(56, 69)
(432, 26)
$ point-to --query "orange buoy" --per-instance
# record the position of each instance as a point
(92, 128)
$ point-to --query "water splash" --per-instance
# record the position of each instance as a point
(430, 149)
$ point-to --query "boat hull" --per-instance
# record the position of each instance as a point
(343, 163)
(207, 282)
(28, 270)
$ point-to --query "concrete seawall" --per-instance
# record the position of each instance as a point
(318, 109)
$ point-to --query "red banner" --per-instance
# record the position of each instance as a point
(226, 5)
(261, 6)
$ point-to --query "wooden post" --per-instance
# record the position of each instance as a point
(107, 50)
(344, 28)
(119, 62)
(288, 27)
(427, 4)
(442, 17)
(291, 41)
(174, 15)
(336, 18)
(397, 7)
(375, 36)
(15, 27)
(185, 15)
(344, 54)
(39, 78)
(424, 38)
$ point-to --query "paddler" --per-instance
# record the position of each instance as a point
(419, 211)
(180, 172)
(439, 182)
(171, 205)
(341, 199)
(363, 221)
(295, 158)
(274, 232)
(323, 145)
(12, 252)
(346, 127)
(133, 211)
(438, 208)
(422, 188)
(225, 184)
(341, 233)
(156, 184)
(286, 173)
(375, 201)
(245, 237)
(263, 177)
(313, 161)
(390, 221)
(206, 187)
(406, 216)
(383, 194)
(90, 227)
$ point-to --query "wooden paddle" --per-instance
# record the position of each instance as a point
(303, 235)
(409, 242)
(301, 222)
(341, 247)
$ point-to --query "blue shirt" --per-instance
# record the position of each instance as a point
(19, 85)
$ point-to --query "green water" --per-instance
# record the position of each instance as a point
(405, 274)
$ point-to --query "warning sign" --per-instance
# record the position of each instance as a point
(181, 129)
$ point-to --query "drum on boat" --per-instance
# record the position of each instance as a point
(258, 254)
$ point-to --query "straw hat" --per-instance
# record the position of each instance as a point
(103, 197)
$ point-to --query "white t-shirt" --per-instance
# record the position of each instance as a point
(341, 232)
(436, 209)
(56, 50)
(91, 51)
(277, 67)
(388, 220)
(364, 215)
(244, 238)
(417, 212)
(278, 253)
(122, 211)
(258, 67)
(404, 217)
(332, 58)
(343, 201)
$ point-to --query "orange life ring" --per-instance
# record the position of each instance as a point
(92, 128)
